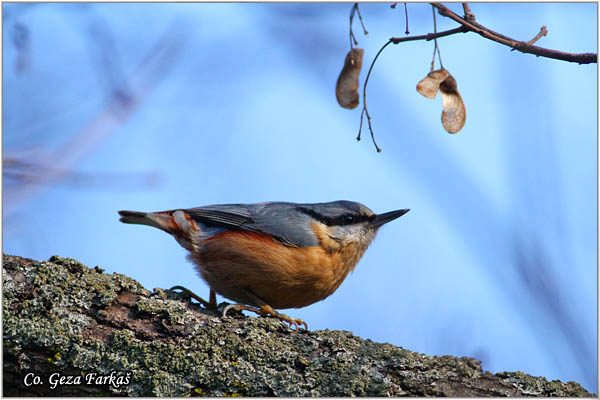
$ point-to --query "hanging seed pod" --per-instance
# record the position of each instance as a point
(346, 89)
(454, 113)
(429, 85)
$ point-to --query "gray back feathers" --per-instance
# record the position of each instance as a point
(289, 223)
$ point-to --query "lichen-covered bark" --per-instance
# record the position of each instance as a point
(63, 318)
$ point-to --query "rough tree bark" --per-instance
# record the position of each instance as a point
(63, 319)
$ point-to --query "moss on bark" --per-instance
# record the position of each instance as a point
(63, 319)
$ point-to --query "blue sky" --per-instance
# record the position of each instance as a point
(497, 258)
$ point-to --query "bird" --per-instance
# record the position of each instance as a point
(272, 255)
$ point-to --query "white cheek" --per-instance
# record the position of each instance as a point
(356, 235)
(369, 235)
(360, 234)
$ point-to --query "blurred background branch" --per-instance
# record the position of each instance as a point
(32, 175)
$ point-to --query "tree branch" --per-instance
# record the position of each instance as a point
(523, 47)
(430, 36)
(78, 324)
(468, 24)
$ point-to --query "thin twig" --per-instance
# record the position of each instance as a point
(354, 10)
(407, 32)
(543, 32)
(434, 51)
(430, 36)
(523, 47)
(469, 16)
(365, 110)
(360, 19)
(435, 47)
(353, 41)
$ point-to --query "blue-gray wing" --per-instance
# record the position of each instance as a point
(224, 216)
(284, 221)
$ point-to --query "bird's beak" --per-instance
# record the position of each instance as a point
(384, 218)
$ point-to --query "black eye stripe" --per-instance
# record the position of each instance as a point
(345, 219)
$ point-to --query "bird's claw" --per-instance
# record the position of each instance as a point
(297, 322)
(238, 307)
(212, 304)
(268, 311)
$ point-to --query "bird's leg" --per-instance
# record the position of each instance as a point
(211, 303)
(266, 310)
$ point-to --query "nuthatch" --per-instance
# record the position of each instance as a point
(274, 255)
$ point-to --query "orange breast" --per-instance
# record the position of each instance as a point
(233, 263)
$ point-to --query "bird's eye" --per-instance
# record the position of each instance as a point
(348, 219)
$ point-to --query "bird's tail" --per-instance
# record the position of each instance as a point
(161, 220)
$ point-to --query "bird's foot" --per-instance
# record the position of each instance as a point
(268, 311)
(212, 303)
